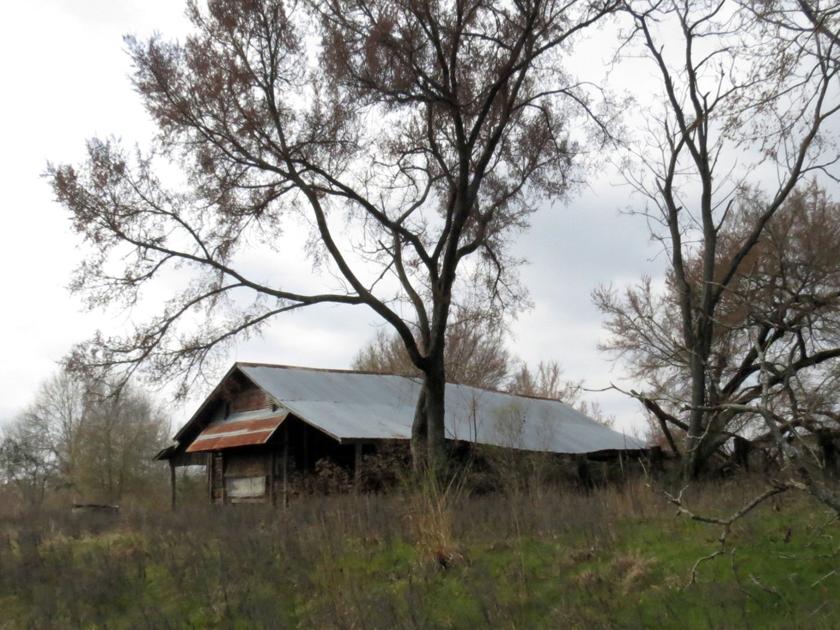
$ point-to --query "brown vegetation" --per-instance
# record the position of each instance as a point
(420, 558)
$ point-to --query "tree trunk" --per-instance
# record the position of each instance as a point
(419, 433)
(428, 433)
(695, 453)
(435, 386)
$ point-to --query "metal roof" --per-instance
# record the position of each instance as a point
(242, 429)
(361, 406)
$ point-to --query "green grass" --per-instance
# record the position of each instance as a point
(551, 562)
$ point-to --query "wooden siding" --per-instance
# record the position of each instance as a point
(249, 399)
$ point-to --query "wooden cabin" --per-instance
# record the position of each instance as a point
(263, 424)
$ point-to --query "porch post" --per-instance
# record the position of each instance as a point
(285, 466)
(172, 483)
(222, 466)
(271, 464)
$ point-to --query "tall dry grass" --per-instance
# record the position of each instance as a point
(323, 561)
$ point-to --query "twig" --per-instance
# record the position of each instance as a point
(766, 589)
(735, 575)
(725, 523)
(826, 576)
(693, 579)
(819, 529)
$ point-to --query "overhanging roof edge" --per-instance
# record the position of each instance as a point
(209, 397)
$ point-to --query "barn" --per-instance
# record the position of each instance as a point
(262, 423)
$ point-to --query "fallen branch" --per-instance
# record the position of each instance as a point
(725, 523)
(825, 577)
(766, 589)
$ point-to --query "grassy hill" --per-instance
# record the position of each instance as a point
(616, 558)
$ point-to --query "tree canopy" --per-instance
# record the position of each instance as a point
(413, 138)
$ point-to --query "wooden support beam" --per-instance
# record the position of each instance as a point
(209, 460)
(357, 469)
(222, 476)
(272, 463)
(172, 480)
(285, 467)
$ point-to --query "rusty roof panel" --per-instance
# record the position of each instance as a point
(229, 441)
(267, 424)
(245, 429)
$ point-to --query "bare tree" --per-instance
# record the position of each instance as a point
(38, 450)
(744, 102)
(546, 381)
(412, 137)
(77, 435)
(55, 415)
(785, 298)
(117, 442)
(26, 463)
(475, 354)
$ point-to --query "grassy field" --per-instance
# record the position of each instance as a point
(617, 558)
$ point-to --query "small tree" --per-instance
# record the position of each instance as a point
(117, 442)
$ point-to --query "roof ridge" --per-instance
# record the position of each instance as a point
(318, 369)
(492, 390)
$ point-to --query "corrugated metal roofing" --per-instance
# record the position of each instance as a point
(242, 429)
(359, 406)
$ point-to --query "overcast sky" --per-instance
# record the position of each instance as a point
(65, 75)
